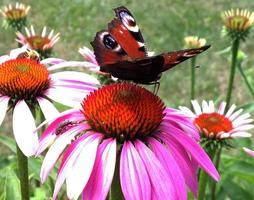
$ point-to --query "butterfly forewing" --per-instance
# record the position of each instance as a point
(174, 58)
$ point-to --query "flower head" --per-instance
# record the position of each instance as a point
(237, 23)
(15, 16)
(216, 125)
(42, 43)
(194, 42)
(27, 83)
(155, 146)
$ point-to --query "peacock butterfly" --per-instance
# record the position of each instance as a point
(121, 52)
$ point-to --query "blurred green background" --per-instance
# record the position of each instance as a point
(164, 24)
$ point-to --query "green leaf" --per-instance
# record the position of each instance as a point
(40, 194)
(12, 187)
(248, 107)
(9, 142)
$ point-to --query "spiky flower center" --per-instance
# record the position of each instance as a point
(23, 78)
(211, 124)
(124, 111)
(38, 42)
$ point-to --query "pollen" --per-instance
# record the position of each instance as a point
(124, 111)
(23, 78)
(213, 124)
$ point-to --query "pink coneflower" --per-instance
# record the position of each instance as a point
(26, 83)
(217, 125)
(124, 125)
(42, 43)
(248, 151)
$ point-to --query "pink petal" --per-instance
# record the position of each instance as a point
(171, 166)
(48, 109)
(78, 76)
(181, 157)
(102, 175)
(160, 181)
(82, 168)
(48, 135)
(248, 151)
(194, 149)
(134, 177)
(56, 150)
(23, 129)
(72, 64)
(52, 61)
(3, 107)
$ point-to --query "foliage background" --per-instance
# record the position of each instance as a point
(164, 24)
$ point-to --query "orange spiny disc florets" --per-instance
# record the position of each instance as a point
(123, 110)
(23, 78)
(213, 123)
(38, 42)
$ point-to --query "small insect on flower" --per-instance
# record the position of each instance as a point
(30, 54)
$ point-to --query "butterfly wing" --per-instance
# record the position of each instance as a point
(126, 32)
(139, 71)
(174, 58)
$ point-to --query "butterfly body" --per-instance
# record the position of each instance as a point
(121, 52)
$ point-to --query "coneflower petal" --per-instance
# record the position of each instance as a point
(102, 175)
(3, 107)
(135, 181)
(23, 129)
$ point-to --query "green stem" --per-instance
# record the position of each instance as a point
(115, 192)
(235, 47)
(217, 163)
(193, 66)
(245, 78)
(203, 178)
(23, 174)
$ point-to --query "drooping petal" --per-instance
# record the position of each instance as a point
(134, 178)
(49, 135)
(52, 61)
(48, 109)
(23, 129)
(69, 158)
(82, 167)
(56, 150)
(3, 107)
(161, 183)
(194, 149)
(196, 107)
(102, 175)
(4, 58)
(73, 64)
(181, 156)
(248, 151)
(171, 166)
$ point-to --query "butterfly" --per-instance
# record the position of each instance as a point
(120, 51)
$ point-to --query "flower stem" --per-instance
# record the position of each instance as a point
(245, 78)
(115, 192)
(193, 66)
(203, 178)
(217, 163)
(23, 174)
(235, 47)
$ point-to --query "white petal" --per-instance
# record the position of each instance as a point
(196, 107)
(230, 111)
(205, 107)
(4, 58)
(187, 111)
(23, 129)
(15, 52)
(240, 134)
(222, 108)
(48, 109)
(211, 106)
(73, 64)
(3, 107)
